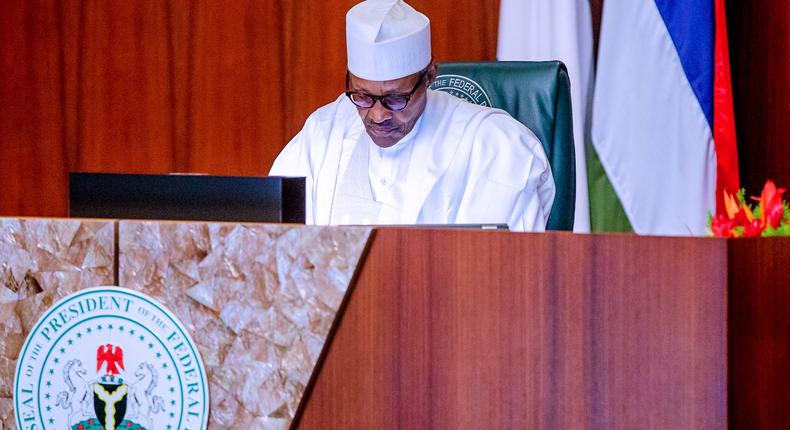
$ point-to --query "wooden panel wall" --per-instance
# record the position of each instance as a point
(486, 330)
(219, 87)
(759, 34)
(176, 85)
(759, 334)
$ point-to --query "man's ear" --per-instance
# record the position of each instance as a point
(430, 74)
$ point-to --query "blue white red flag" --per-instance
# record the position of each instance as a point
(662, 121)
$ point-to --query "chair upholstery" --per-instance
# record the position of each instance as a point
(538, 95)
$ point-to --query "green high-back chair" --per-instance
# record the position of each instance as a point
(536, 93)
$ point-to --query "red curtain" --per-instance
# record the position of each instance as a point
(150, 86)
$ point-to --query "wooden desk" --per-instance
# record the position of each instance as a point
(459, 329)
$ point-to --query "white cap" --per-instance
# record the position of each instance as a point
(386, 39)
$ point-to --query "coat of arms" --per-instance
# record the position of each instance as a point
(110, 401)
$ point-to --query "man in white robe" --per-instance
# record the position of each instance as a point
(391, 151)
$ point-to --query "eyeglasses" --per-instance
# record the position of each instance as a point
(389, 101)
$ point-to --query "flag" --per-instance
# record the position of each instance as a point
(724, 114)
(661, 69)
(538, 30)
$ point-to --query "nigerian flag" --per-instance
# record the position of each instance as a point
(537, 30)
(650, 148)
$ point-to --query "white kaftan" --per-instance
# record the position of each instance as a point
(460, 164)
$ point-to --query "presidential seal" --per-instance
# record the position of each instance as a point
(110, 358)
(463, 88)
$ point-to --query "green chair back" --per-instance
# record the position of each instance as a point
(536, 93)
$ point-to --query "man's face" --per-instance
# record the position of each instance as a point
(385, 126)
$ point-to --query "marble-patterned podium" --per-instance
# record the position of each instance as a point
(259, 300)
(41, 261)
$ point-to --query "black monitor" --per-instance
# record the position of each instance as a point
(187, 197)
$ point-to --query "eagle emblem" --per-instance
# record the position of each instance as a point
(109, 402)
(110, 356)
